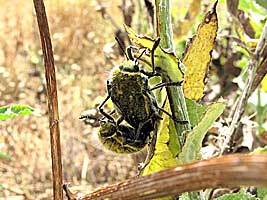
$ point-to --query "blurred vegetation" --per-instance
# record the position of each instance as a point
(79, 34)
(84, 48)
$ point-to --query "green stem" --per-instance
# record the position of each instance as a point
(175, 94)
(164, 24)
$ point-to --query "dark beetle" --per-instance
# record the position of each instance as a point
(130, 93)
(120, 138)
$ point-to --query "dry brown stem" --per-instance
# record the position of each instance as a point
(52, 98)
(225, 171)
(256, 70)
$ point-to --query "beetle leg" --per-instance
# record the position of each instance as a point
(111, 113)
(149, 74)
(88, 116)
(155, 45)
(101, 110)
(173, 118)
(141, 54)
(166, 84)
(153, 73)
(120, 120)
(139, 129)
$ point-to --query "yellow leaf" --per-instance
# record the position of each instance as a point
(197, 55)
(139, 41)
(166, 61)
(264, 84)
(164, 156)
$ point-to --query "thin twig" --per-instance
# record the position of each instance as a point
(226, 171)
(52, 98)
(254, 65)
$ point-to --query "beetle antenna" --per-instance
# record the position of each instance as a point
(121, 47)
(140, 55)
(155, 45)
(129, 52)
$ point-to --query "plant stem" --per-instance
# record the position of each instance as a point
(254, 65)
(226, 171)
(175, 94)
(52, 98)
(164, 24)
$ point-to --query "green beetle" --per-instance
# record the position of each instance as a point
(131, 95)
(120, 138)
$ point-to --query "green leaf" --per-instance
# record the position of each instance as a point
(7, 112)
(262, 193)
(257, 14)
(242, 195)
(184, 196)
(195, 111)
(262, 3)
(260, 150)
(173, 144)
(250, 7)
(5, 156)
(193, 144)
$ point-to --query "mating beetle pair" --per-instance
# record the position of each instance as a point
(120, 138)
(134, 101)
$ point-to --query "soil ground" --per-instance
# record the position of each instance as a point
(79, 34)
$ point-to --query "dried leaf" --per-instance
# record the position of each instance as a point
(197, 55)
(261, 71)
(232, 6)
(128, 9)
(245, 23)
(150, 10)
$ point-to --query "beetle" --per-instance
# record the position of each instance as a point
(120, 138)
(131, 95)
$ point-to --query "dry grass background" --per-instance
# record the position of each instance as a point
(78, 34)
